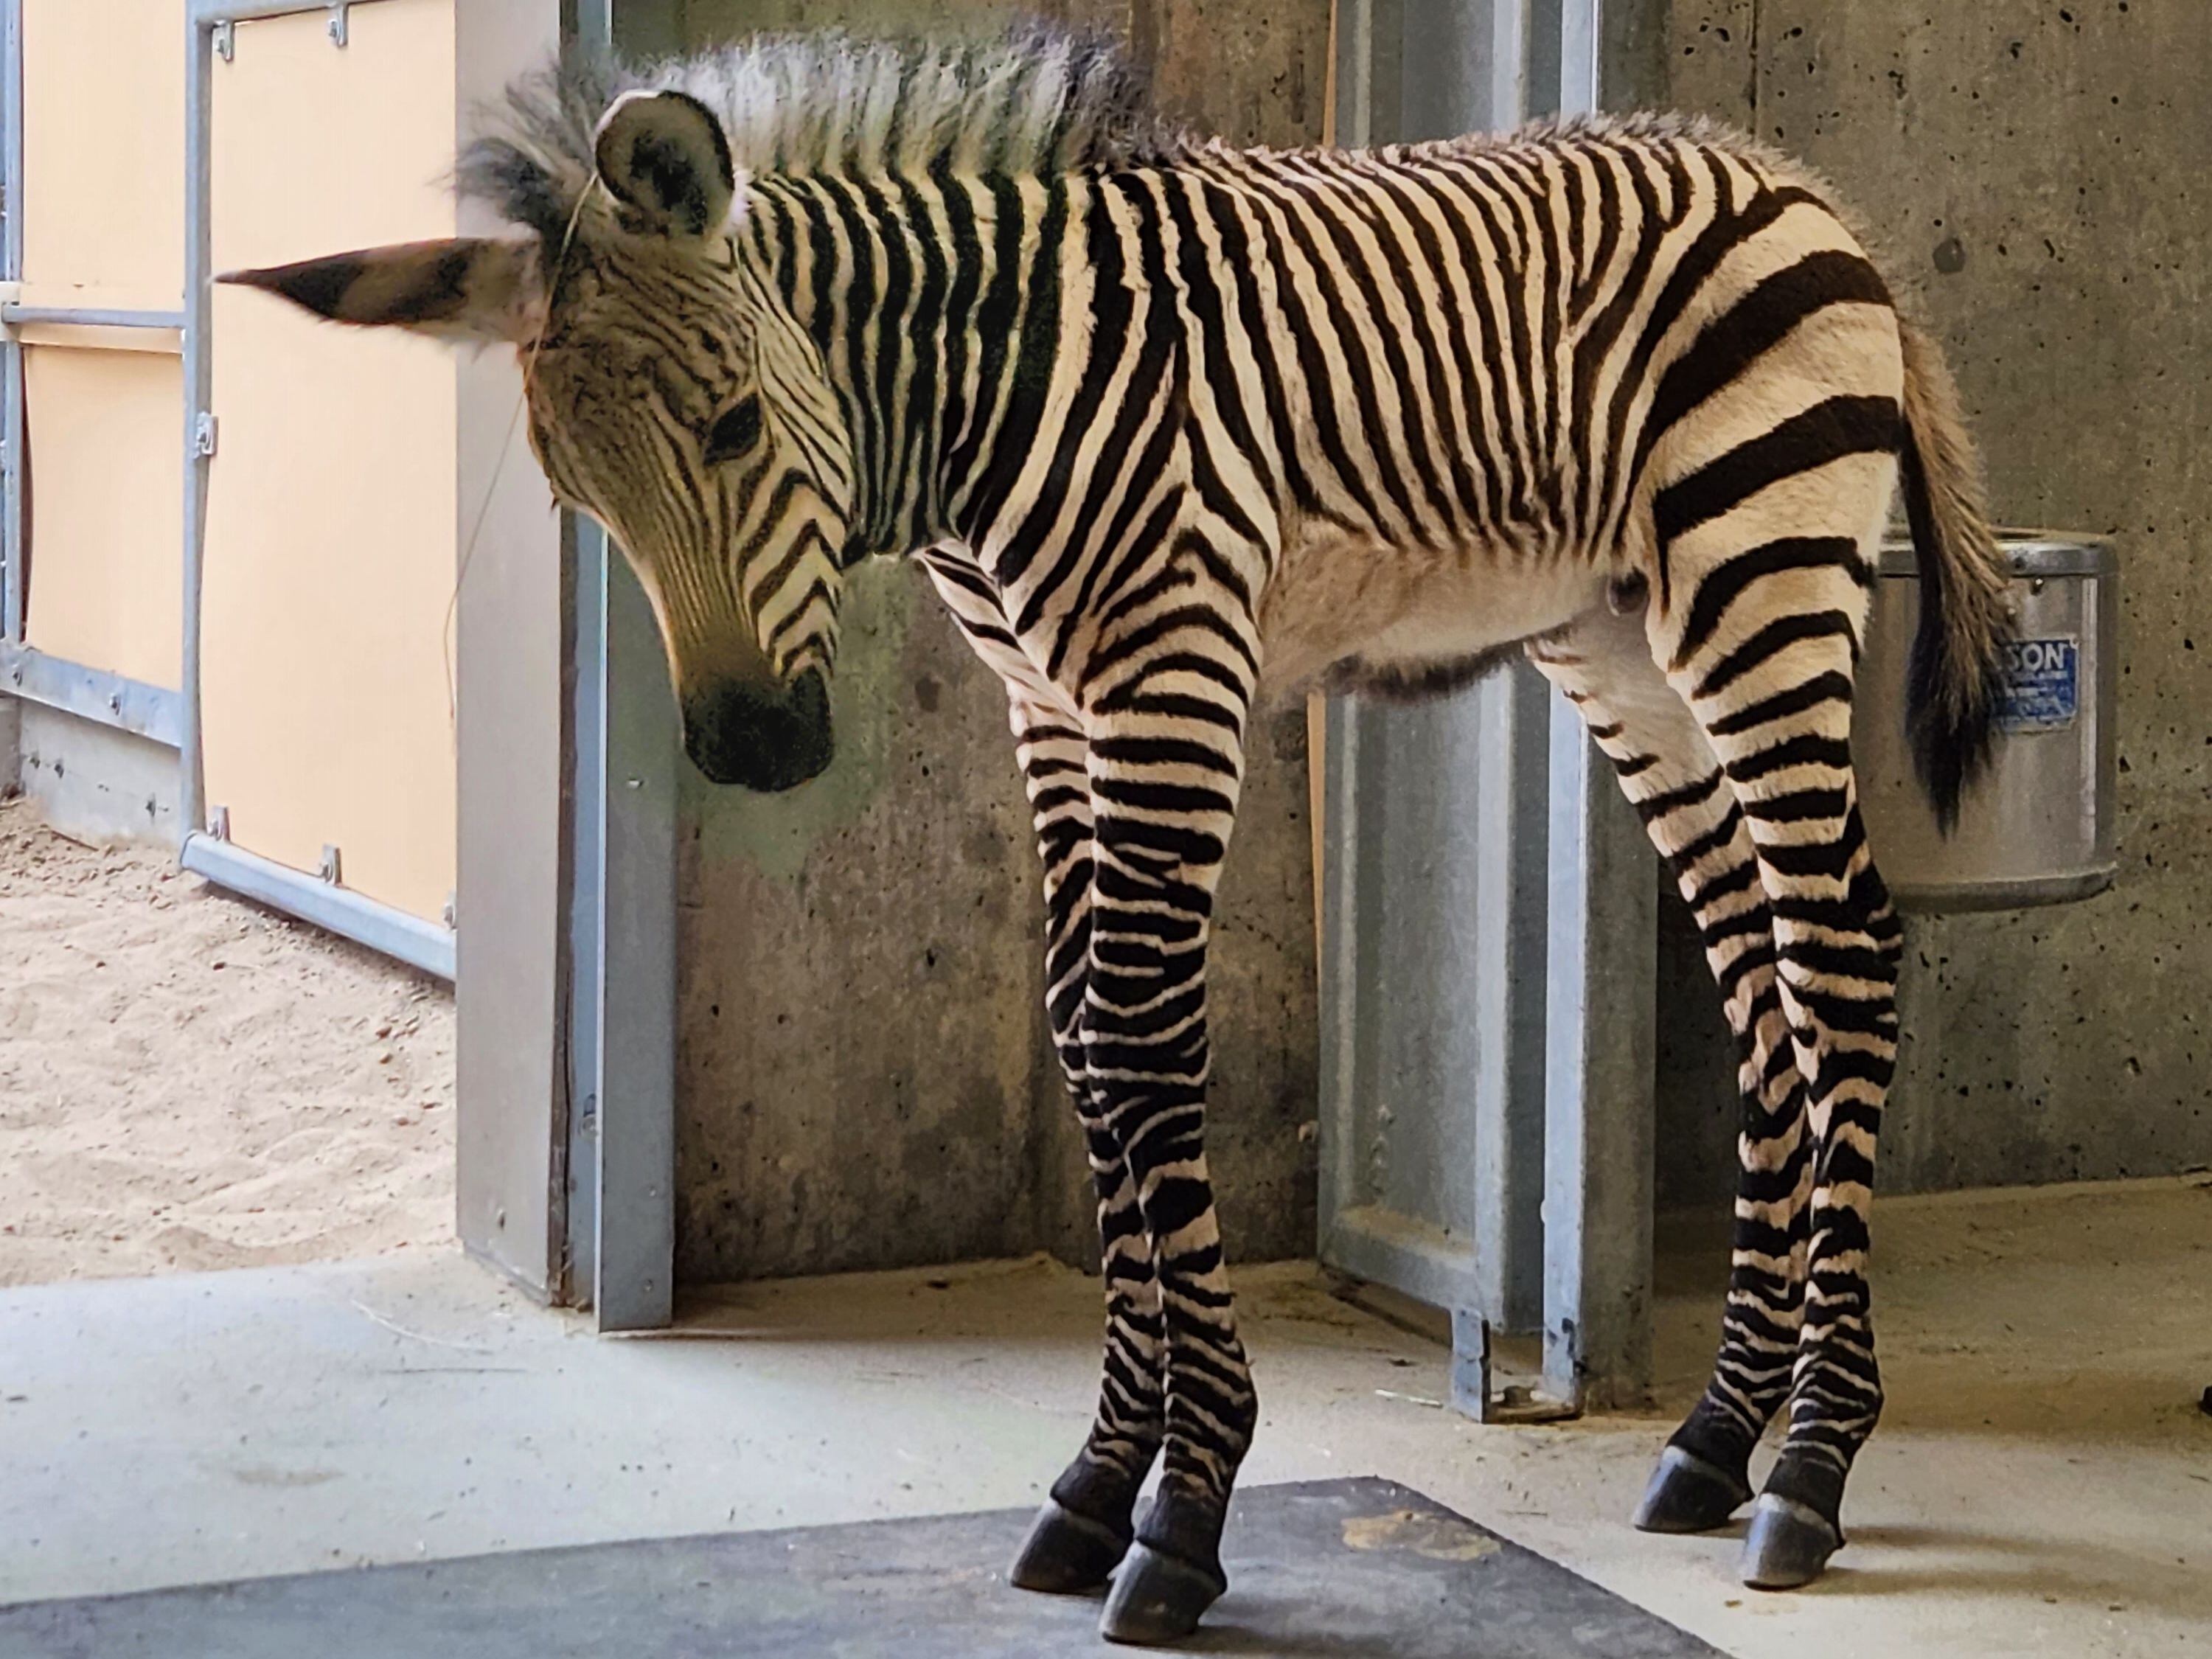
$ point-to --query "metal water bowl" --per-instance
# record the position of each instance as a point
(2037, 828)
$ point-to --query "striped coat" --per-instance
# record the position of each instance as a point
(1174, 428)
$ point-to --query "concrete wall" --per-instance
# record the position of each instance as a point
(864, 1078)
(2041, 178)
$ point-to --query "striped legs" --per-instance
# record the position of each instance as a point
(1166, 764)
(1669, 773)
(1763, 650)
(1086, 1525)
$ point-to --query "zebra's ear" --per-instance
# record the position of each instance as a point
(664, 156)
(472, 288)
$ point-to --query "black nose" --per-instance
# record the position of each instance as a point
(760, 737)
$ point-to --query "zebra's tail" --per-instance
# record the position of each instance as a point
(1953, 682)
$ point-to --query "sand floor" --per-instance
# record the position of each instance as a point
(189, 1082)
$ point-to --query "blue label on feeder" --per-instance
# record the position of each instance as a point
(2042, 686)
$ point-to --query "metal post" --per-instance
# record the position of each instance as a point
(1602, 1045)
(1599, 1063)
(621, 1007)
(11, 353)
(1434, 987)
(1494, 805)
(198, 376)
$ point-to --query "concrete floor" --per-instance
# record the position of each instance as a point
(2043, 1483)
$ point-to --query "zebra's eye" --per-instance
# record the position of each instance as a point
(736, 430)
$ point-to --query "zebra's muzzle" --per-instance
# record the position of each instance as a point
(762, 738)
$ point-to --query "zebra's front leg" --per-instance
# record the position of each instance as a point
(1166, 764)
(1085, 1527)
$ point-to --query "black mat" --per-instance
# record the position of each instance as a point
(1329, 1570)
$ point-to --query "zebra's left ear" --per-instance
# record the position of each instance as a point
(664, 156)
(471, 289)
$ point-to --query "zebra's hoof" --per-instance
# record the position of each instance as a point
(1787, 1545)
(1689, 1494)
(1157, 1599)
(1066, 1553)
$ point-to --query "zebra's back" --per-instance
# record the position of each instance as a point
(1491, 357)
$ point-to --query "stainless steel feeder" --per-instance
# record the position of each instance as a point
(2037, 828)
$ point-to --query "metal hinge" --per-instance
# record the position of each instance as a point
(226, 40)
(452, 908)
(338, 34)
(329, 869)
(219, 823)
(204, 430)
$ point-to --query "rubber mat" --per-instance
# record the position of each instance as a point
(1328, 1569)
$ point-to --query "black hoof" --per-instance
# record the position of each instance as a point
(1157, 1599)
(1066, 1553)
(1787, 1545)
(1688, 1494)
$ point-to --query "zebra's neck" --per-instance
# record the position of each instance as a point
(935, 303)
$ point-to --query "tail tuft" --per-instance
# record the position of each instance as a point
(1955, 676)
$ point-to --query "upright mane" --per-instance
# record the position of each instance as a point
(1037, 101)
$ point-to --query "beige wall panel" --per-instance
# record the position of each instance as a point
(104, 148)
(106, 476)
(331, 550)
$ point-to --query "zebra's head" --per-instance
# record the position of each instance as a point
(674, 397)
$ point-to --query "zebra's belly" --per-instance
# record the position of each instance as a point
(1402, 614)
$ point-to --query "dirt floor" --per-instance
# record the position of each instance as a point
(188, 1081)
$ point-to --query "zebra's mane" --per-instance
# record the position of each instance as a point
(1037, 101)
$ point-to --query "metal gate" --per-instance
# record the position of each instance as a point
(1489, 899)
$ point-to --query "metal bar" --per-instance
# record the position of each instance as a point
(636, 1246)
(92, 694)
(16, 315)
(198, 378)
(1600, 1088)
(1600, 1060)
(1414, 1257)
(1506, 989)
(582, 797)
(206, 14)
(420, 944)
(12, 542)
(1435, 871)
(636, 962)
(1340, 1183)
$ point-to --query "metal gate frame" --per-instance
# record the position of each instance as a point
(167, 716)
(97, 695)
(1556, 985)
(206, 848)
(619, 1010)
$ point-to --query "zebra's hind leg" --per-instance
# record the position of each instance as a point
(1771, 685)
(1086, 1525)
(1669, 773)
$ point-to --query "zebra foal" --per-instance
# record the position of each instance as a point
(1170, 426)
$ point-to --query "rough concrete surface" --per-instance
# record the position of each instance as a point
(2041, 1483)
(865, 1077)
(2039, 178)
